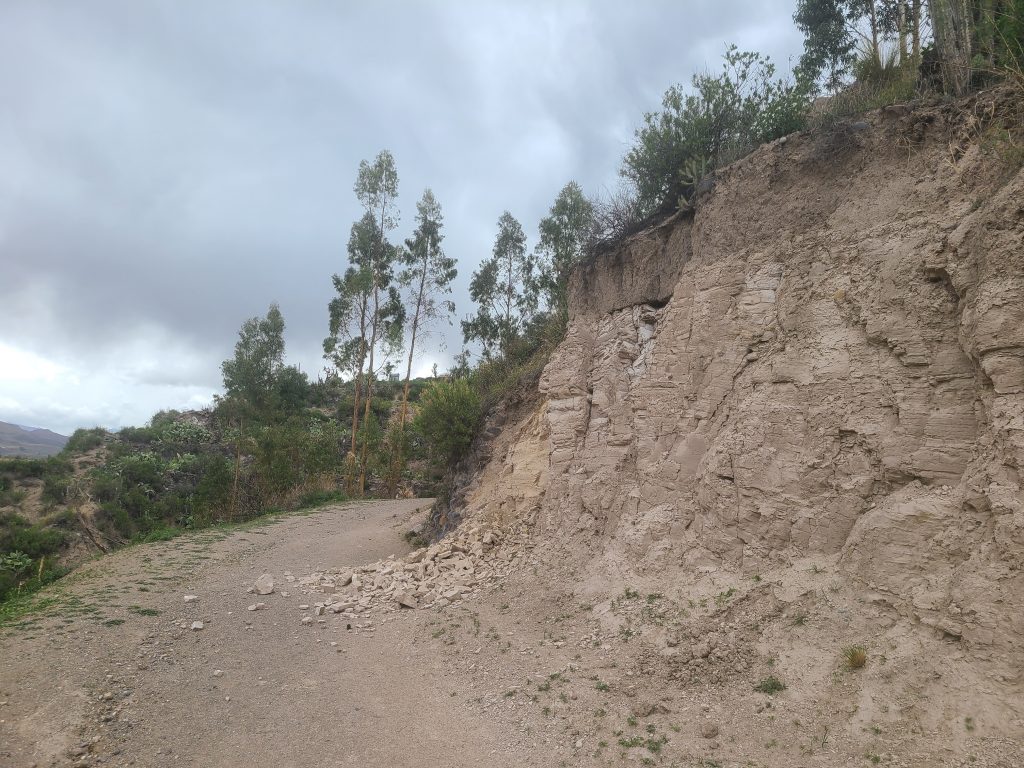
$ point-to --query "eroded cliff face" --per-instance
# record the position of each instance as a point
(827, 359)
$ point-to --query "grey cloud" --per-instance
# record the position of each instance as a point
(179, 166)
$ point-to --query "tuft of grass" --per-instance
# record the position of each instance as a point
(855, 656)
(770, 685)
(602, 686)
(319, 498)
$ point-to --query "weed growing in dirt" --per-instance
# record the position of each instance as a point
(770, 685)
(855, 656)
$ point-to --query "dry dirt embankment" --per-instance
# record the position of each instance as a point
(795, 420)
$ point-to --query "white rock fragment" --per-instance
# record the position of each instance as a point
(197, 625)
(191, 598)
(406, 599)
(264, 585)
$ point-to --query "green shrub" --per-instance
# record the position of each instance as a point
(142, 435)
(24, 550)
(448, 418)
(83, 440)
(55, 487)
(724, 117)
(770, 685)
(186, 433)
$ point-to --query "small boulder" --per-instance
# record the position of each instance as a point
(406, 600)
(709, 730)
(264, 585)
(191, 598)
(197, 625)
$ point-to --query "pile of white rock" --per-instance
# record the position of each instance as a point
(433, 576)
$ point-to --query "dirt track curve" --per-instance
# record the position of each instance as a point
(111, 673)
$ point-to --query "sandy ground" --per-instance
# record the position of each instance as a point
(524, 671)
(107, 675)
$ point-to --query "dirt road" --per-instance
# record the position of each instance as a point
(111, 672)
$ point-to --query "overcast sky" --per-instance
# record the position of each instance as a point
(168, 169)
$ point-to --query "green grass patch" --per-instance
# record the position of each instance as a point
(770, 685)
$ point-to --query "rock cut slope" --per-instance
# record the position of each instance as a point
(823, 364)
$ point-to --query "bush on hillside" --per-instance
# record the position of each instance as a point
(724, 117)
(83, 440)
(448, 417)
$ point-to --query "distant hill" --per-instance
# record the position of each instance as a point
(25, 441)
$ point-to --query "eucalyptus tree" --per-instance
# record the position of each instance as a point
(829, 43)
(251, 375)
(349, 319)
(501, 290)
(563, 238)
(376, 188)
(367, 316)
(427, 273)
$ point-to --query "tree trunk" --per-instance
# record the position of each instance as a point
(375, 317)
(350, 479)
(397, 457)
(902, 30)
(876, 50)
(986, 31)
(951, 25)
(915, 32)
(238, 469)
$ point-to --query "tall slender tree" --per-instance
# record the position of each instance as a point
(500, 288)
(427, 274)
(953, 29)
(376, 188)
(349, 323)
(828, 41)
(251, 379)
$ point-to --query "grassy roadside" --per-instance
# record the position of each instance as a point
(38, 595)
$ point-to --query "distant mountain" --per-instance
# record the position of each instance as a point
(26, 441)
